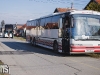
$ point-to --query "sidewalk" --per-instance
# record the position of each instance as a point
(25, 63)
(15, 62)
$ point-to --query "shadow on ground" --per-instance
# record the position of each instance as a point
(26, 48)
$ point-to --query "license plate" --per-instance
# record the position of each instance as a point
(89, 50)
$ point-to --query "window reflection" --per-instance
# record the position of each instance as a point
(87, 25)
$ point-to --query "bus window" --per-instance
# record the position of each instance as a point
(55, 21)
(60, 23)
(48, 23)
(42, 23)
(33, 23)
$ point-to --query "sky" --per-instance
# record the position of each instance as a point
(19, 11)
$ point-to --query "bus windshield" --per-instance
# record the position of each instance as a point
(86, 27)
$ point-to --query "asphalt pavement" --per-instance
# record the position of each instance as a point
(24, 59)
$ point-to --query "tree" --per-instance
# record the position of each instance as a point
(93, 6)
(2, 23)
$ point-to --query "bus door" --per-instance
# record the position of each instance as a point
(66, 35)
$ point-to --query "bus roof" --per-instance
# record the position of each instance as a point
(85, 12)
(75, 12)
(71, 12)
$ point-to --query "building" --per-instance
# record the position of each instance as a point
(19, 30)
(62, 10)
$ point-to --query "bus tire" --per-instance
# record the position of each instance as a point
(34, 42)
(55, 46)
(31, 42)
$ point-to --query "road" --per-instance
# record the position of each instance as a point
(24, 59)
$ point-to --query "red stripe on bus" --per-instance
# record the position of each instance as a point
(97, 50)
(77, 50)
(83, 50)
(84, 47)
(96, 46)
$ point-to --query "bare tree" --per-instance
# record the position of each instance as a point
(2, 23)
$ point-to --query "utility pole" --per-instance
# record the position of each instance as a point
(72, 5)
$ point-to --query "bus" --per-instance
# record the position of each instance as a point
(8, 31)
(71, 32)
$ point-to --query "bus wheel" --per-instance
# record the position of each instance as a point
(34, 42)
(31, 42)
(55, 46)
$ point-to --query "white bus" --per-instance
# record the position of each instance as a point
(72, 32)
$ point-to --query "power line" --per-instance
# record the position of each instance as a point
(52, 1)
(73, 3)
(59, 1)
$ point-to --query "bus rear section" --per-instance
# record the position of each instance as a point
(8, 32)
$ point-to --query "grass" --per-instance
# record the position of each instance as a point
(1, 63)
(95, 55)
(20, 38)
